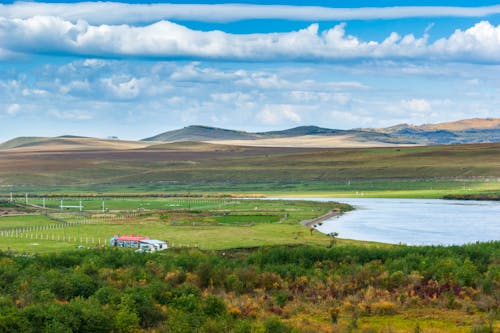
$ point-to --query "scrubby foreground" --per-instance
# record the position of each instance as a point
(273, 289)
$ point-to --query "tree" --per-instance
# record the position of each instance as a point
(333, 238)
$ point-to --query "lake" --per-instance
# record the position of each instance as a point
(416, 221)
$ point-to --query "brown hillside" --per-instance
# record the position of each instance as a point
(466, 124)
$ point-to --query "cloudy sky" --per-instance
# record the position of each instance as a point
(134, 69)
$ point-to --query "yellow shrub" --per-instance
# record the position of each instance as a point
(383, 308)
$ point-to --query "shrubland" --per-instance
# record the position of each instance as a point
(268, 289)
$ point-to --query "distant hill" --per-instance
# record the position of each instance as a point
(220, 135)
(202, 133)
(452, 126)
(17, 142)
(196, 146)
(303, 130)
(67, 142)
(475, 130)
(464, 125)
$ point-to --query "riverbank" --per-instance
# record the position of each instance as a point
(312, 223)
(479, 197)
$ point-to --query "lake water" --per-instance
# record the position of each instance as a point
(416, 221)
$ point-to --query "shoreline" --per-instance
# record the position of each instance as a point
(311, 222)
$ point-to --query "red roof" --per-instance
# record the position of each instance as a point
(131, 238)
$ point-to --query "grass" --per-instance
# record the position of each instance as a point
(204, 237)
(246, 219)
(382, 188)
(136, 203)
(184, 222)
(431, 171)
(429, 319)
(7, 222)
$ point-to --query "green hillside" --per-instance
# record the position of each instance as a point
(21, 141)
(201, 133)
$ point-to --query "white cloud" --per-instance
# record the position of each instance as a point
(177, 101)
(275, 114)
(480, 42)
(193, 72)
(119, 13)
(473, 82)
(34, 92)
(263, 80)
(231, 97)
(320, 97)
(13, 109)
(77, 86)
(123, 88)
(47, 34)
(94, 63)
(352, 119)
(71, 114)
(416, 104)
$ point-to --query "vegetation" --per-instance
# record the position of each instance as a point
(432, 171)
(272, 289)
(208, 223)
(479, 196)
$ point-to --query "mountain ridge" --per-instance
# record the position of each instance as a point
(475, 130)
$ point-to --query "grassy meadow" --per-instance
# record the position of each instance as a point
(185, 222)
(431, 171)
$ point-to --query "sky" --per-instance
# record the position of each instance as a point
(138, 68)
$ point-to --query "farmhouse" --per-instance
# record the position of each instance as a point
(143, 244)
(152, 245)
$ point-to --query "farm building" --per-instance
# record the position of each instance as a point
(152, 245)
(143, 244)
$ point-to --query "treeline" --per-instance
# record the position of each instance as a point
(274, 289)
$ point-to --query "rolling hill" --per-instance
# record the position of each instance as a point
(302, 136)
(68, 142)
(475, 130)
(202, 133)
(462, 125)
(302, 130)
(466, 131)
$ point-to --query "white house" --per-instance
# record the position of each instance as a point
(152, 245)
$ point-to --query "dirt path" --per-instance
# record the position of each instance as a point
(312, 222)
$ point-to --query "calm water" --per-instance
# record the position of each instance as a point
(417, 221)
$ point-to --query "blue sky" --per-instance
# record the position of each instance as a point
(132, 70)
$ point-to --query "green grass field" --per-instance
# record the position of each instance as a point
(184, 222)
(382, 188)
(431, 171)
(8, 222)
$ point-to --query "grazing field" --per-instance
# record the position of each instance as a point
(185, 222)
(432, 171)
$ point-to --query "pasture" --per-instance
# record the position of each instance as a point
(206, 223)
(432, 171)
